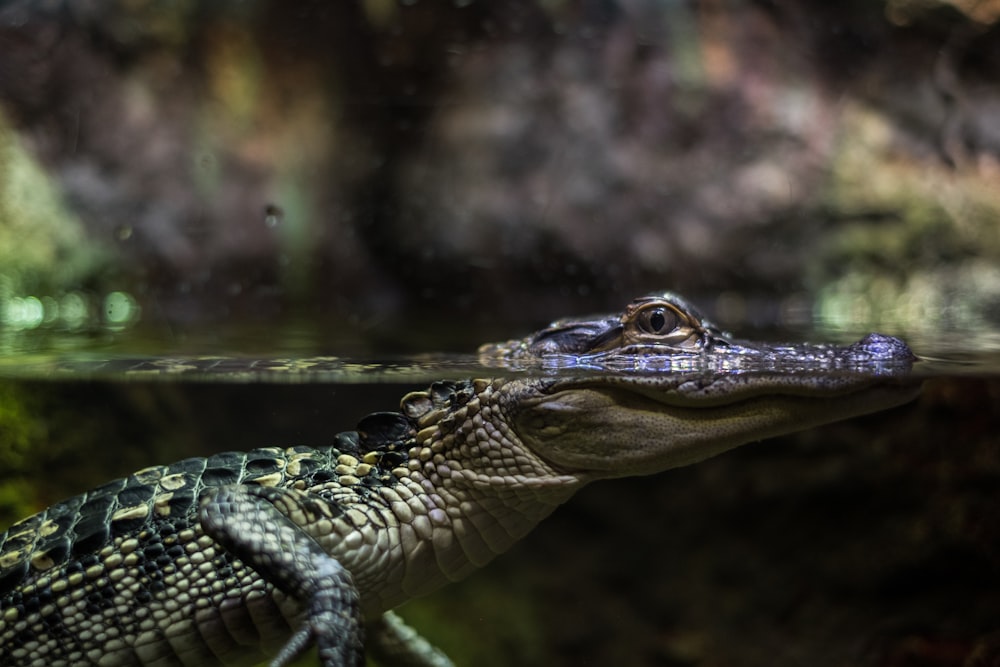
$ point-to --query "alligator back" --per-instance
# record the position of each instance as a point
(120, 561)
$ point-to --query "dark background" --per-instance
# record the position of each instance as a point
(373, 177)
(425, 175)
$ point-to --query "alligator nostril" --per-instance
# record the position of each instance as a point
(883, 348)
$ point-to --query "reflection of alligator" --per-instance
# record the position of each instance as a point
(231, 558)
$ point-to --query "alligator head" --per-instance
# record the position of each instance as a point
(658, 387)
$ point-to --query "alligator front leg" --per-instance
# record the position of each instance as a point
(255, 524)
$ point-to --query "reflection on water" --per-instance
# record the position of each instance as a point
(91, 366)
(277, 370)
(73, 365)
(72, 311)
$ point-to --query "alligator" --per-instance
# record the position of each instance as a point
(247, 556)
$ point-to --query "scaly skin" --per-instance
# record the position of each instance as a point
(241, 556)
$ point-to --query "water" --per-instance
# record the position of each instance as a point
(69, 359)
(840, 545)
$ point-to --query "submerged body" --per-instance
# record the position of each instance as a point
(242, 556)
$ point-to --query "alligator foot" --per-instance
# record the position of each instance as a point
(252, 523)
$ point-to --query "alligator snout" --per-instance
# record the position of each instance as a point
(879, 347)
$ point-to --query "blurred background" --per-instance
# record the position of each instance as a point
(415, 175)
(388, 177)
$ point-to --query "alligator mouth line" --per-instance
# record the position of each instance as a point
(614, 431)
(720, 393)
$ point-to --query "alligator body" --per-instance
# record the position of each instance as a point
(241, 557)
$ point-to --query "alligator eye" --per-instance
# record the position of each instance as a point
(657, 321)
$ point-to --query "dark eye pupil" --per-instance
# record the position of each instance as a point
(657, 321)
